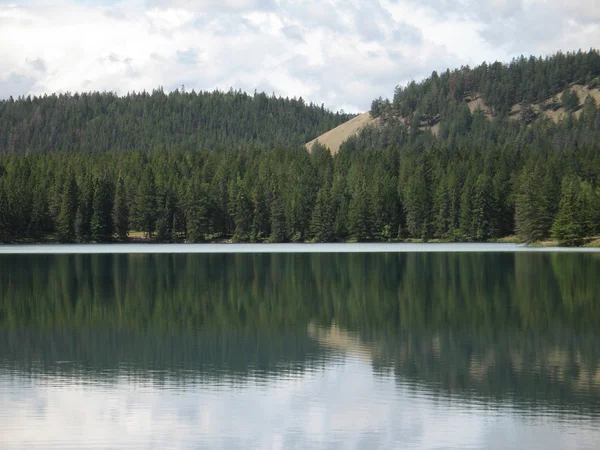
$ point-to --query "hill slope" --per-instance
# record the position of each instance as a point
(335, 137)
(525, 90)
(98, 122)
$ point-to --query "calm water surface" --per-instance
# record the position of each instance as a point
(473, 349)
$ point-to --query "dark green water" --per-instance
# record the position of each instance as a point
(387, 350)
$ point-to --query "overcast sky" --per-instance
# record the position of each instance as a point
(342, 53)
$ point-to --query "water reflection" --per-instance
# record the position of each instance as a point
(300, 350)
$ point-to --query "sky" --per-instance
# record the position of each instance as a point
(342, 53)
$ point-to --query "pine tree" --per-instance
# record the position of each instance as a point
(4, 214)
(163, 226)
(121, 212)
(359, 214)
(145, 203)
(483, 224)
(197, 211)
(68, 209)
(533, 219)
(40, 216)
(85, 207)
(467, 210)
(569, 226)
(570, 100)
(102, 221)
(278, 223)
(418, 204)
(322, 222)
(164, 223)
(442, 209)
(242, 213)
(178, 227)
(260, 214)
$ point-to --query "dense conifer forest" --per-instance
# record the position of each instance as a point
(198, 167)
(100, 122)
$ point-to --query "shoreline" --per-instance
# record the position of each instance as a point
(382, 247)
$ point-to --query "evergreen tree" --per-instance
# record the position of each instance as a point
(570, 100)
(242, 213)
(146, 204)
(163, 226)
(322, 222)
(418, 204)
(467, 210)
(197, 211)
(40, 216)
(533, 219)
(483, 224)
(278, 223)
(121, 212)
(442, 209)
(569, 225)
(260, 214)
(359, 214)
(102, 221)
(164, 223)
(68, 209)
(4, 214)
(85, 209)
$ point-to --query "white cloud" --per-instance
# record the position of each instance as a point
(343, 403)
(341, 53)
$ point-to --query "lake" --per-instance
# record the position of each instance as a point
(488, 346)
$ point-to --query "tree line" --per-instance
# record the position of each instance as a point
(289, 195)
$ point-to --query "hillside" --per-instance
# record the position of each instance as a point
(525, 89)
(332, 139)
(99, 122)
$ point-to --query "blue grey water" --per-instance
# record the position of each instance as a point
(473, 346)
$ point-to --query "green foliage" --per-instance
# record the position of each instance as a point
(484, 209)
(279, 231)
(85, 209)
(102, 220)
(197, 210)
(4, 215)
(500, 86)
(121, 211)
(146, 203)
(533, 218)
(570, 226)
(359, 214)
(570, 100)
(68, 209)
(101, 122)
(418, 203)
(242, 213)
(322, 223)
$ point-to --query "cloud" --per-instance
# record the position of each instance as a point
(342, 401)
(338, 52)
(16, 84)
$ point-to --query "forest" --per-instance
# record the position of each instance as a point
(102, 121)
(96, 167)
